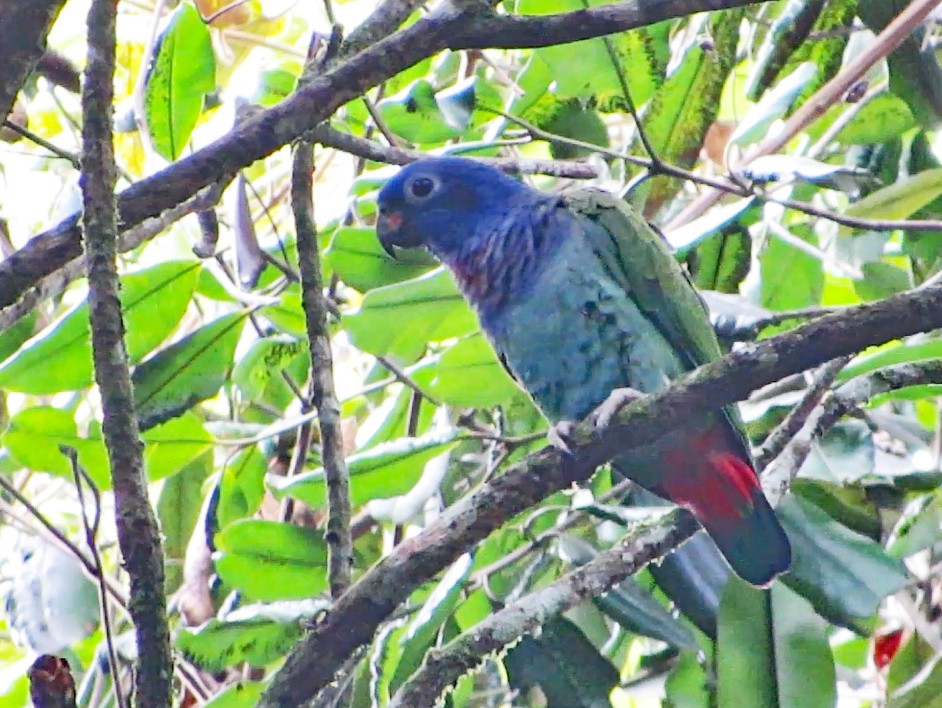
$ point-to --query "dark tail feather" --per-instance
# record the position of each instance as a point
(755, 546)
(728, 502)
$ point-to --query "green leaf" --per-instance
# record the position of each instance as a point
(59, 358)
(34, 435)
(400, 319)
(843, 574)
(911, 350)
(178, 508)
(183, 71)
(266, 358)
(241, 488)
(244, 694)
(686, 686)
(900, 199)
(413, 114)
(257, 634)
(566, 666)
(885, 117)
(268, 560)
(843, 455)
(881, 280)
(470, 375)
(791, 278)
(187, 372)
(745, 649)
(684, 107)
(585, 69)
(804, 665)
(422, 632)
(357, 258)
(383, 471)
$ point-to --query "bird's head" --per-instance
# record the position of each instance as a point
(441, 204)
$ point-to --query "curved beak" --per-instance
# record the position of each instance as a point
(387, 229)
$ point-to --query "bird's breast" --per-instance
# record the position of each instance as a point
(577, 336)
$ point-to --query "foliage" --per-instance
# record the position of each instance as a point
(219, 354)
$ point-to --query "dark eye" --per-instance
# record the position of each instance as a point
(421, 187)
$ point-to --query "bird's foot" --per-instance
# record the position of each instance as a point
(560, 435)
(618, 399)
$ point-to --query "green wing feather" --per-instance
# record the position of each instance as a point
(639, 258)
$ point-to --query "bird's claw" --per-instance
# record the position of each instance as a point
(609, 409)
(560, 435)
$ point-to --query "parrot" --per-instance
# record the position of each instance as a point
(584, 303)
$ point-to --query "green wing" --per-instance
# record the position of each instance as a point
(638, 257)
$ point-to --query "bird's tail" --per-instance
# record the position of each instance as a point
(728, 502)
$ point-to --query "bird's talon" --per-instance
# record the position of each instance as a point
(560, 434)
(613, 405)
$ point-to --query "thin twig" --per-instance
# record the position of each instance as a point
(79, 475)
(400, 374)
(323, 398)
(42, 142)
(817, 388)
(371, 150)
(138, 533)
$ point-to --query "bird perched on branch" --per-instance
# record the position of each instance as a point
(584, 303)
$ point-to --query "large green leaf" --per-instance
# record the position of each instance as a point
(900, 199)
(257, 634)
(182, 73)
(585, 69)
(400, 319)
(357, 258)
(686, 104)
(59, 358)
(34, 435)
(383, 471)
(470, 375)
(178, 509)
(268, 560)
(745, 649)
(791, 278)
(187, 372)
(566, 666)
(843, 574)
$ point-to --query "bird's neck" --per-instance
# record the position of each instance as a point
(501, 261)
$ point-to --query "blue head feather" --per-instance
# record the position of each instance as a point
(483, 224)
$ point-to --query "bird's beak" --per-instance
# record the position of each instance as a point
(387, 229)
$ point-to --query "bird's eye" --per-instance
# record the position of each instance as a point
(421, 187)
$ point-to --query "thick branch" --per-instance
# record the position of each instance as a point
(323, 397)
(355, 616)
(312, 104)
(527, 31)
(443, 667)
(24, 25)
(138, 535)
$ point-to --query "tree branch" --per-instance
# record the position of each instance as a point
(353, 619)
(781, 472)
(138, 535)
(443, 667)
(314, 103)
(323, 397)
(24, 25)
(370, 150)
(643, 544)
